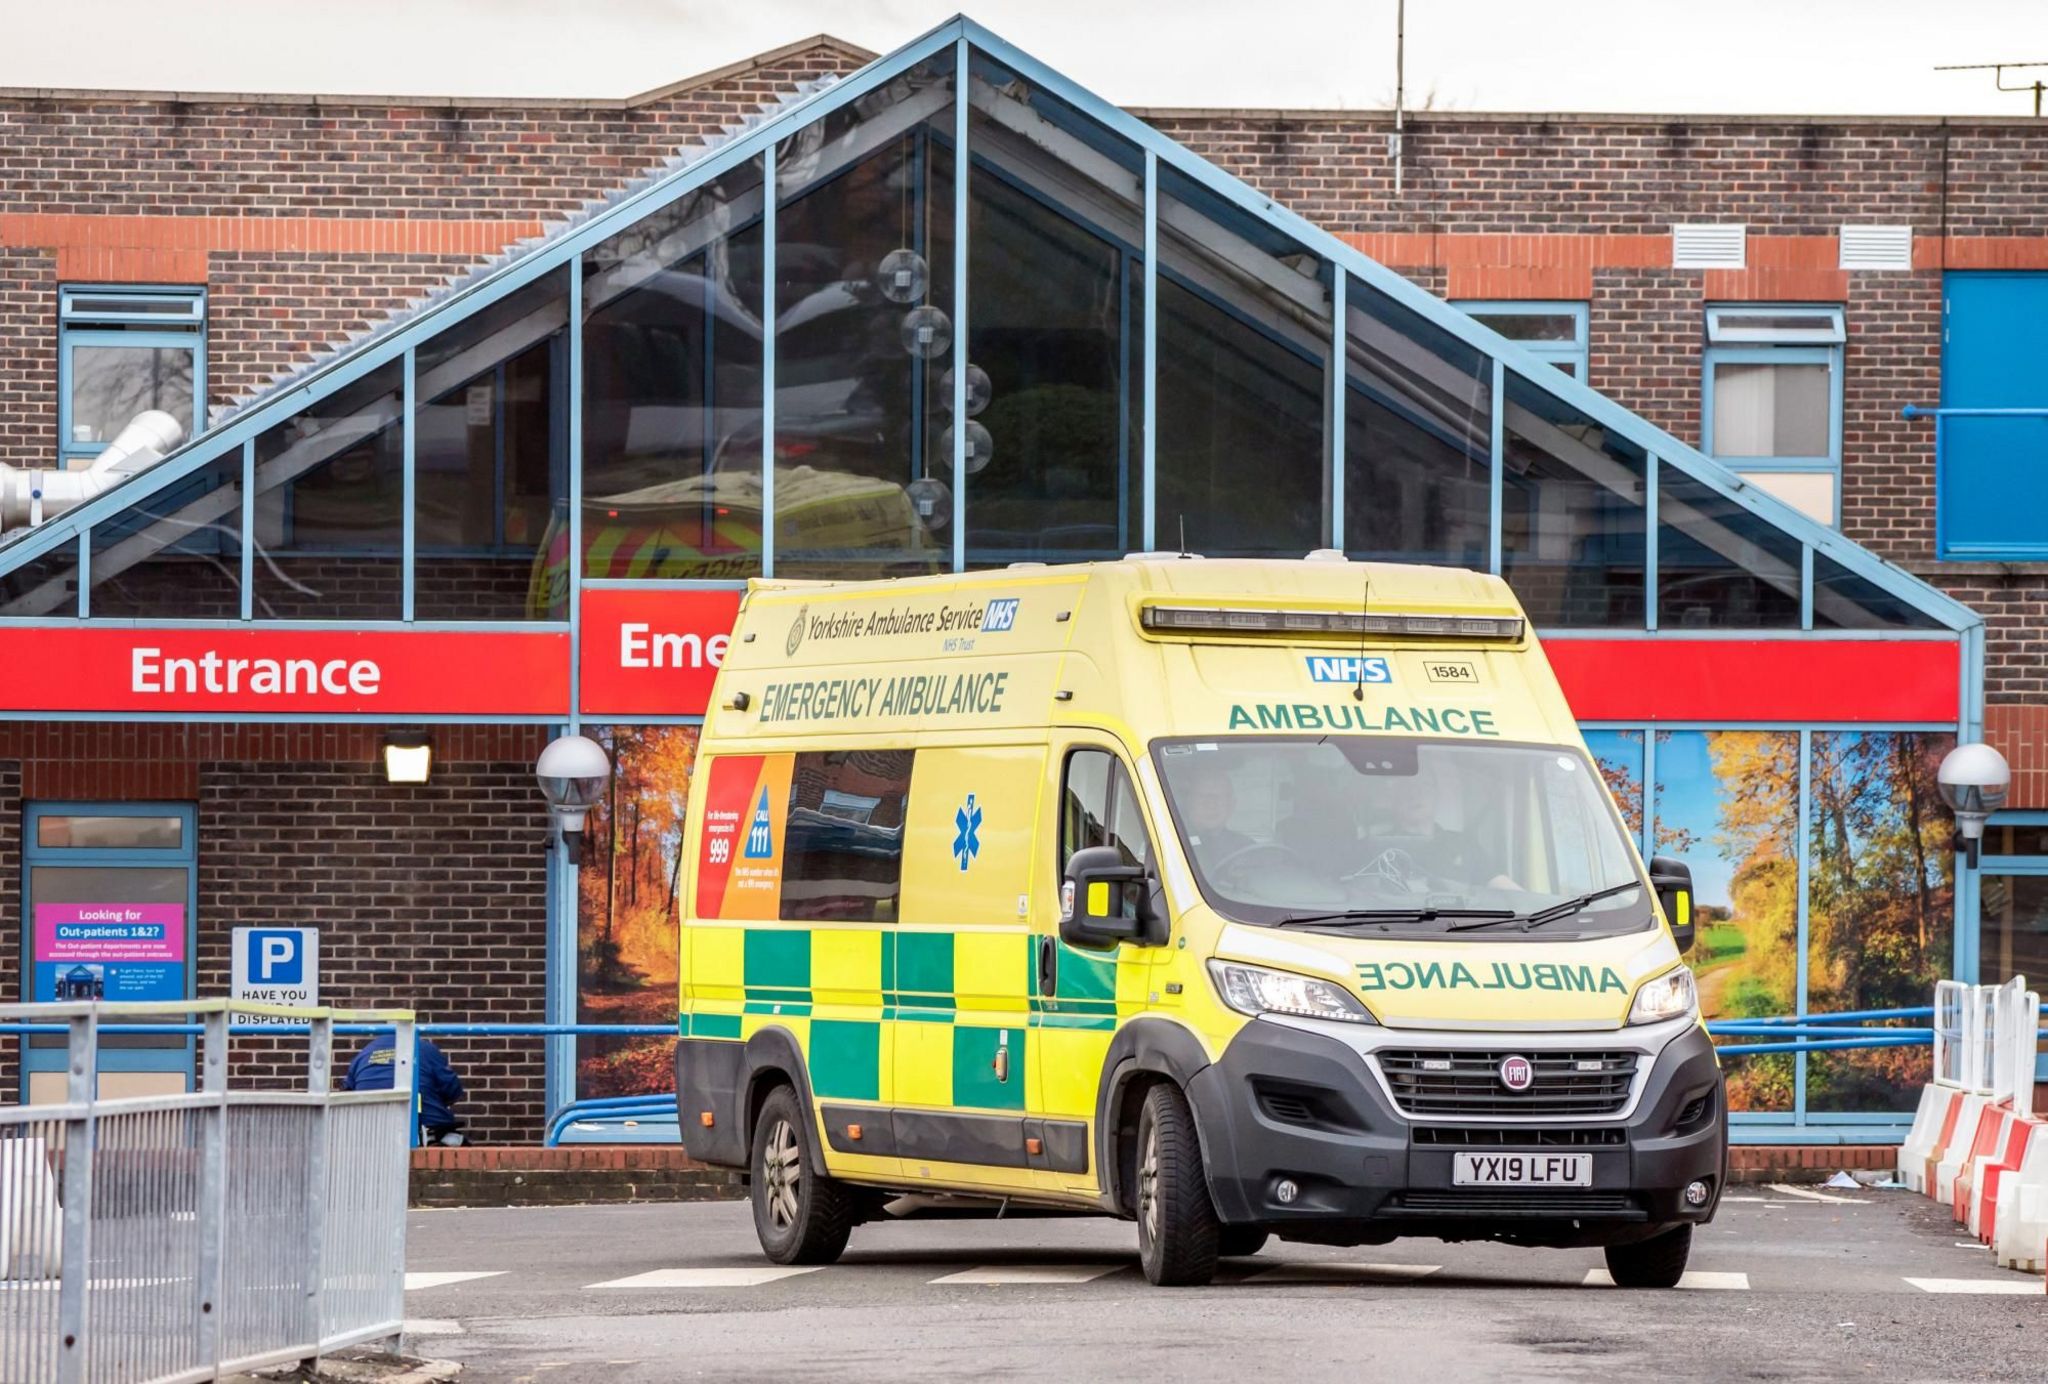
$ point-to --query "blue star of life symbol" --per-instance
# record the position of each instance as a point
(761, 834)
(967, 839)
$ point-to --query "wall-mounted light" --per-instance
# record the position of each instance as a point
(573, 771)
(408, 756)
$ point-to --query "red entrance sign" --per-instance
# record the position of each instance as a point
(383, 672)
(1718, 681)
(653, 653)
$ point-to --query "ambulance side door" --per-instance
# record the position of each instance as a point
(957, 975)
(1081, 996)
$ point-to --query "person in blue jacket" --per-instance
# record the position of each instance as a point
(439, 1088)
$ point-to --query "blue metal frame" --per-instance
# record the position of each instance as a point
(1799, 347)
(117, 329)
(386, 344)
(185, 857)
(1577, 352)
(1964, 942)
(1947, 549)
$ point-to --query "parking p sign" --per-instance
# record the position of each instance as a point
(277, 965)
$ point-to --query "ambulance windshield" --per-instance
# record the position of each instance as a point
(1412, 835)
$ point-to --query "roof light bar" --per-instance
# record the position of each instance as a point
(1224, 620)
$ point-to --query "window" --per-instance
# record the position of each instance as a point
(1099, 807)
(843, 838)
(1773, 400)
(1555, 332)
(123, 352)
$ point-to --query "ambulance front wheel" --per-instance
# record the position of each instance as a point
(1178, 1234)
(1658, 1262)
(800, 1217)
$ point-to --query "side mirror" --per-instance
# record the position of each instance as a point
(1673, 883)
(1105, 900)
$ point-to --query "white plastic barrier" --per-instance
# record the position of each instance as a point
(1987, 1175)
(1920, 1140)
(1950, 1159)
(2019, 1229)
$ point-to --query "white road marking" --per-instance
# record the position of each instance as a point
(1344, 1273)
(1727, 1197)
(751, 1276)
(1698, 1278)
(1804, 1194)
(432, 1326)
(416, 1281)
(1032, 1273)
(2016, 1285)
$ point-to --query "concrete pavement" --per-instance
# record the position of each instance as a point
(1867, 1284)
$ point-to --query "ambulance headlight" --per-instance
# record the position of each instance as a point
(1667, 997)
(1255, 990)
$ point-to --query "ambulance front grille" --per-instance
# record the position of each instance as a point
(1467, 1085)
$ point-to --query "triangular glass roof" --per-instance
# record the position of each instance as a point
(1139, 343)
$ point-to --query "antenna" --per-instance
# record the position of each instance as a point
(1364, 603)
(1998, 78)
(1183, 533)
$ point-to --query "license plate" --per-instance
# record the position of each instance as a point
(1522, 1170)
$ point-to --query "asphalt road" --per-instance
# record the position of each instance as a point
(1869, 1284)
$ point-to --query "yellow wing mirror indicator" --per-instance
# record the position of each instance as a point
(1105, 900)
(1673, 883)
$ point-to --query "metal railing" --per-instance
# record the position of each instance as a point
(177, 1237)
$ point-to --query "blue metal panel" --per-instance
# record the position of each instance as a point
(1149, 354)
(1652, 492)
(408, 484)
(1497, 443)
(1339, 375)
(770, 196)
(1804, 843)
(963, 169)
(574, 574)
(249, 529)
(1991, 473)
(1805, 588)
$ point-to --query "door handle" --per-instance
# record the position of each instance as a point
(1048, 967)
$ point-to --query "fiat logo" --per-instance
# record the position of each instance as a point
(1516, 1074)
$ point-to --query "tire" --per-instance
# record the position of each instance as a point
(1239, 1241)
(1658, 1262)
(800, 1217)
(1177, 1228)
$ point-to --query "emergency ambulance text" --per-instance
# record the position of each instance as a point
(1504, 975)
(915, 694)
(1450, 720)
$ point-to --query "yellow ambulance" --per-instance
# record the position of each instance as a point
(1237, 898)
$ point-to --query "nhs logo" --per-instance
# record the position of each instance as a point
(1000, 615)
(1351, 668)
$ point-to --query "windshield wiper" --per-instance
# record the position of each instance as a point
(1399, 915)
(1552, 912)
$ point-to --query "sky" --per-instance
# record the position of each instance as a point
(1658, 56)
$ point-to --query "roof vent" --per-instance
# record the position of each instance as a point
(1699, 245)
(1877, 247)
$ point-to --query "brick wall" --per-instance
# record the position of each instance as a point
(428, 897)
(307, 217)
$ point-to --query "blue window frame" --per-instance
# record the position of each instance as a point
(1555, 332)
(1771, 400)
(2012, 905)
(121, 351)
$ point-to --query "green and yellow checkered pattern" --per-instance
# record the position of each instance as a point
(907, 1015)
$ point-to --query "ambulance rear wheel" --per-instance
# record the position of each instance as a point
(800, 1217)
(1658, 1262)
(1177, 1230)
(1240, 1241)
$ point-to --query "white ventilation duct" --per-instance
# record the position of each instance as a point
(29, 496)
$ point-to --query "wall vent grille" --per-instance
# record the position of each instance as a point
(1709, 246)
